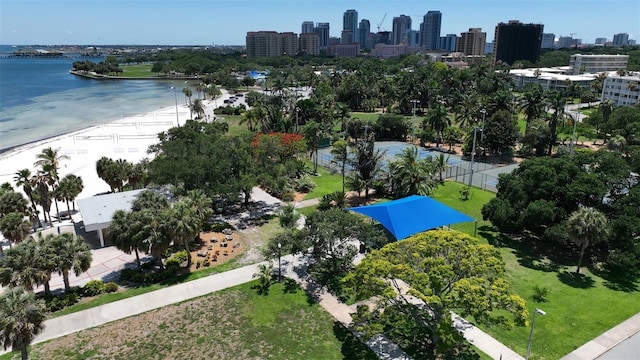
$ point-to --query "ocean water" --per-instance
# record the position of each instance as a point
(40, 99)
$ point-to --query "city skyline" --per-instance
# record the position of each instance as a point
(197, 22)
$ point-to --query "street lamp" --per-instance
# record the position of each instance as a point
(573, 134)
(473, 148)
(413, 118)
(279, 264)
(297, 111)
(533, 323)
(175, 95)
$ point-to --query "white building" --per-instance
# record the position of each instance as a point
(623, 90)
(579, 63)
(549, 78)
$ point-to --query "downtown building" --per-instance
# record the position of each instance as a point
(472, 42)
(364, 31)
(449, 42)
(515, 41)
(309, 44)
(401, 24)
(548, 41)
(349, 26)
(621, 39)
(322, 30)
(271, 43)
(429, 37)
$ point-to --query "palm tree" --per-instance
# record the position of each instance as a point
(367, 162)
(265, 276)
(200, 87)
(197, 107)
(45, 258)
(21, 319)
(72, 253)
(557, 102)
(23, 178)
(24, 265)
(41, 182)
(14, 227)
(340, 155)
(532, 104)
(50, 156)
(438, 120)
(184, 224)
(606, 107)
(122, 233)
(412, 176)
(586, 226)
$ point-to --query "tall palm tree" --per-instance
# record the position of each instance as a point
(72, 253)
(23, 178)
(606, 107)
(49, 163)
(438, 120)
(532, 104)
(21, 319)
(411, 175)
(340, 156)
(557, 102)
(26, 265)
(197, 107)
(122, 233)
(586, 226)
(184, 224)
(45, 258)
(367, 162)
(41, 181)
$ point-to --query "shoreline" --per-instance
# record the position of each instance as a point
(94, 76)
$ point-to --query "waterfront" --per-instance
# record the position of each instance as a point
(40, 99)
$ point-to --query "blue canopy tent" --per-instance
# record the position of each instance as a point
(412, 214)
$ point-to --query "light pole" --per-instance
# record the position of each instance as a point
(297, 111)
(279, 267)
(573, 134)
(413, 119)
(533, 323)
(175, 95)
(473, 148)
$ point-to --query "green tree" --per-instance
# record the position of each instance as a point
(438, 119)
(288, 216)
(122, 232)
(25, 179)
(586, 226)
(71, 253)
(69, 188)
(366, 162)
(606, 108)
(412, 175)
(500, 132)
(445, 271)
(557, 101)
(14, 227)
(197, 107)
(20, 266)
(49, 163)
(340, 156)
(532, 103)
(21, 319)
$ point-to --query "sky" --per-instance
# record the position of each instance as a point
(226, 22)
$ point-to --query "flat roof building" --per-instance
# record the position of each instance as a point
(623, 90)
(309, 44)
(516, 41)
(579, 63)
(472, 42)
(343, 50)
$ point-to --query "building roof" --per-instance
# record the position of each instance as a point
(98, 210)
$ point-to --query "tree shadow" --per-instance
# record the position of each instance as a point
(289, 286)
(352, 347)
(579, 281)
(618, 282)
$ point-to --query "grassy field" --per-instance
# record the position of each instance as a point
(575, 304)
(326, 183)
(232, 324)
(138, 71)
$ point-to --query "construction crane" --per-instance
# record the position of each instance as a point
(381, 21)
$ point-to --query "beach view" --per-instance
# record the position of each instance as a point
(320, 180)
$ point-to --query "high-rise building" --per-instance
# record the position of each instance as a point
(601, 41)
(385, 37)
(347, 37)
(472, 42)
(363, 33)
(621, 39)
(517, 41)
(309, 44)
(448, 42)
(350, 22)
(307, 27)
(323, 34)
(289, 43)
(413, 38)
(430, 30)
(548, 41)
(401, 24)
(564, 42)
(263, 44)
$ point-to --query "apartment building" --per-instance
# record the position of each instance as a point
(624, 90)
(579, 64)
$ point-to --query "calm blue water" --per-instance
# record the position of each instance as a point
(39, 99)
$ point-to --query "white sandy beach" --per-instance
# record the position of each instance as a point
(126, 138)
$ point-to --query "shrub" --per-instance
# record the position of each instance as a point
(172, 265)
(218, 227)
(59, 302)
(540, 293)
(93, 288)
(110, 287)
(304, 184)
(180, 256)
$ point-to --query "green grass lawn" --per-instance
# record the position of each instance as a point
(236, 323)
(578, 308)
(326, 183)
(137, 71)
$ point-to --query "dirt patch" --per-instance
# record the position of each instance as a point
(216, 248)
(297, 197)
(354, 199)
